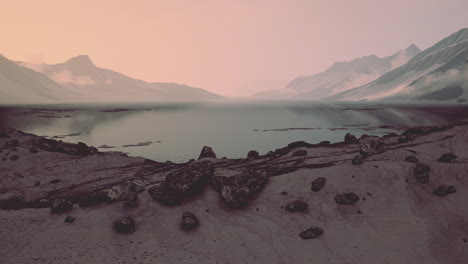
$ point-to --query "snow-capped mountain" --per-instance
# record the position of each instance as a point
(442, 66)
(80, 75)
(342, 76)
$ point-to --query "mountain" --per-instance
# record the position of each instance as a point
(342, 76)
(438, 73)
(80, 75)
(22, 85)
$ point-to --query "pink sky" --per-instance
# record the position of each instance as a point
(221, 46)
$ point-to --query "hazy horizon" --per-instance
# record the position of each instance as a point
(230, 48)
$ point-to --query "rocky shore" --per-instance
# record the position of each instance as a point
(392, 199)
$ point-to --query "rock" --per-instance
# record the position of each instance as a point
(189, 221)
(357, 160)
(14, 158)
(411, 159)
(165, 195)
(190, 180)
(284, 193)
(324, 143)
(237, 191)
(299, 153)
(346, 198)
(130, 199)
(47, 144)
(318, 184)
(299, 144)
(54, 181)
(447, 158)
(60, 206)
(33, 150)
(69, 219)
(311, 233)
(83, 150)
(410, 134)
(296, 206)
(253, 154)
(370, 148)
(350, 139)
(444, 190)
(124, 225)
(421, 173)
(217, 183)
(11, 144)
(37, 183)
(207, 152)
(136, 186)
(104, 196)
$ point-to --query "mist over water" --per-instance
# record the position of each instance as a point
(178, 131)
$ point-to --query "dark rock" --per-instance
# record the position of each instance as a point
(124, 225)
(364, 136)
(357, 160)
(37, 183)
(47, 144)
(411, 159)
(130, 199)
(237, 191)
(324, 143)
(296, 206)
(390, 135)
(444, 190)
(54, 181)
(135, 186)
(33, 150)
(217, 183)
(69, 219)
(162, 193)
(298, 144)
(207, 152)
(11, 144)
(346, 198)
(370, 148)
(103, 196)
(253, 154)
(421, 173)
(284, 193)
(191, 179)
(14, 157)
(189, 221)
(447, 158)
(350, 139)
(60, 206)
(318, 184)
(299, 153)
(311, 233)
(83, 150)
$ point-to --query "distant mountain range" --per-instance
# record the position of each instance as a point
(438, 73)
(79, 80)
(341, 76)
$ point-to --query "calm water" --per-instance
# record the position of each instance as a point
(178, 131)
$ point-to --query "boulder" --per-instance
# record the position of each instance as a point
(318, 184)
(217, 183)
(60, 206)
(104, 196)
(162, 193)
(447, 158)
(130, 199)
(69, 219)
(411, 159)
(237, 191)
(444, 190)
(191, 179)
(11, 144)
(299, 153)
(207, 152)
(14, 157)
(311, 233)
(370, 148)
(296, 206)
(124, 225)
(189, 221)
(350, 139)
(347, 198)
(33, 150)
(253, 154)
(357, 160)
(421, 173)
